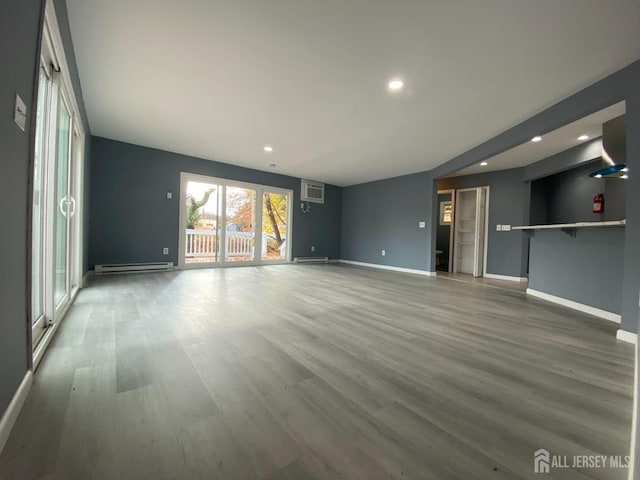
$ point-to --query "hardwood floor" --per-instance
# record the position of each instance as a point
(319, 372)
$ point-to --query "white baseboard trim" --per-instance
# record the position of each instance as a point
(628, 337)
(581, 307)
(495, 276)
(11, 414)
(390, 267)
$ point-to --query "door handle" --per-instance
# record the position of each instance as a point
(63, 204)
(72, 202)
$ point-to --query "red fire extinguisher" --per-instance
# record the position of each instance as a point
(598, 203)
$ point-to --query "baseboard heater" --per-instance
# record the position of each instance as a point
(311, 260)
(134, 267)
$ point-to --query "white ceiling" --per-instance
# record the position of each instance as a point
(221, 79)
(553, 142)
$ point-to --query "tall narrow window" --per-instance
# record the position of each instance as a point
(275, 213)
(62, 202)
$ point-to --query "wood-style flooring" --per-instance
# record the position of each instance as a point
(319, 372)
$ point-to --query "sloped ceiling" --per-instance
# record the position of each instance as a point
(222, 79)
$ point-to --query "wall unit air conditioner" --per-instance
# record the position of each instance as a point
(312, 191)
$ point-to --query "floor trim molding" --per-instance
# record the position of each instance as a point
(626, 336)
(495, 276)
(13, 410)
(581, 307)
(389, 267)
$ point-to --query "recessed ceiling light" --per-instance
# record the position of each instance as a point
(583, 137)
(483, 164)
(272, 165)
(624, 177)
(536, 139)
(396, 84)
(268, 148)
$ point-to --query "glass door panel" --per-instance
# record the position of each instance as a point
(240, 218)
(203, 221)
(62, 203)
(38, 217)
(274, 226)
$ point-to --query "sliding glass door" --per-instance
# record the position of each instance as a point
(224, 223)
(56, 229)
(62, 203)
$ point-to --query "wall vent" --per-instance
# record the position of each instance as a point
(134, 267)
(312, 191)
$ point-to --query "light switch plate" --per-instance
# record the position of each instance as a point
(20, 113)
(498, 227)
(506, 228)
(169, 195)
(422, 224)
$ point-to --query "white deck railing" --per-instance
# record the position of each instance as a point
(204, 243)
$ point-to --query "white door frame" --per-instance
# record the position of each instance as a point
(260, 189)
(485, 230)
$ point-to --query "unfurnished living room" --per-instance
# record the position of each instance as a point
(287, 239)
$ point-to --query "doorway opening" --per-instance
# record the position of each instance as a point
(462, 231)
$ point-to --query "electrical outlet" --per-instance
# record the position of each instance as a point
(169, 195)
(498, 227)
(313, 248)
(165, 251)
(506, 228)
(384, 252)
(422, 224)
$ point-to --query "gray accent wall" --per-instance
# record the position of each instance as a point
(19, 46)
(132, 220)
(508, 194)
(586, 268)
(385, 215)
